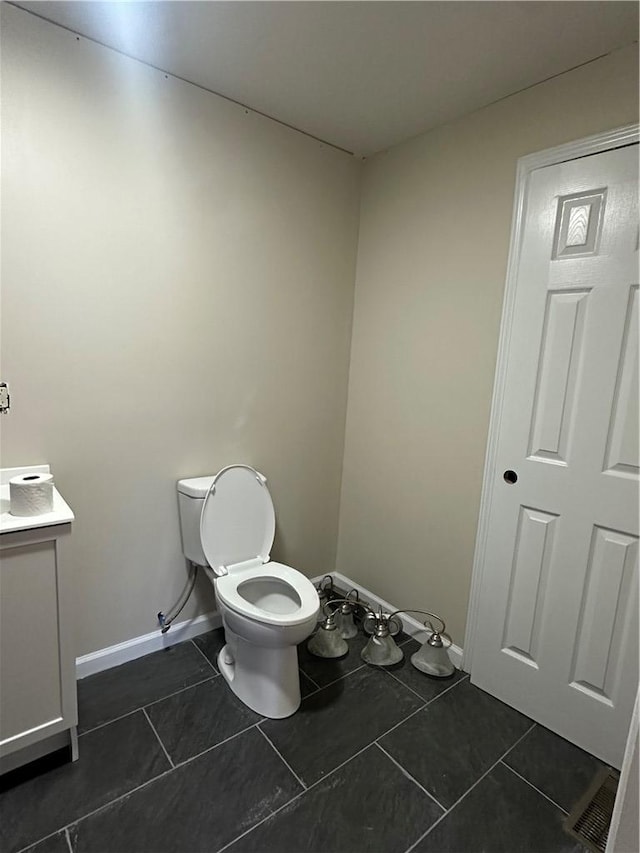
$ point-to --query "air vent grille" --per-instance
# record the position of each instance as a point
(590, 819)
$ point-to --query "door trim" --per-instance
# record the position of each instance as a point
(627, 135)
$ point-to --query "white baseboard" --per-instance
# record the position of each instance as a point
(137, 647)
(144, 645)
(412, 626)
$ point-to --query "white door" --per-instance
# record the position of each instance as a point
(557, 621)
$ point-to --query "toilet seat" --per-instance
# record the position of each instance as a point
(237, 527)
(238, 522)
(229, 594)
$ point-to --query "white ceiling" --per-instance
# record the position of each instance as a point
(360, 75)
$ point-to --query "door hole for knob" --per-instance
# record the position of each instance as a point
(510, 477)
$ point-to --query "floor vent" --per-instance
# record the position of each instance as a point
(591, 817)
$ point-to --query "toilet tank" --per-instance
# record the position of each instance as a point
(191, 495)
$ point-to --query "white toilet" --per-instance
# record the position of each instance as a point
(228, 525)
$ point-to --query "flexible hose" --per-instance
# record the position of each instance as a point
(165, 623)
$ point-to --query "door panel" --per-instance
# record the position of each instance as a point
(528, 582)
(622, 455)
(558, 608)
(604, 613)
(561, 350)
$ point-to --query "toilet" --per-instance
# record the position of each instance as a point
(228, 524)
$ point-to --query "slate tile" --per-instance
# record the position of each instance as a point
(556, 767)
(455, 739)
(402, 638)
(325, 670)
(199, 806)
(210, 645)
(502, 814)
(446, 745)
(113, 759)
(367, 806)
(306, 685)
(54, 844)
(132, 685)
(44, 764)
(339, 720)
(199, 717)
(425, 685)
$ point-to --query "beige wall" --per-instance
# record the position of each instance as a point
(177, 285)
(177, 288)
(434, 233)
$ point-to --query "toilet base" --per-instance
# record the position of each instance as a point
(265, 679)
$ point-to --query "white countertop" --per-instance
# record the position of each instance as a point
(62, 513)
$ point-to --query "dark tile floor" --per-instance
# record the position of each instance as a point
(386, 761)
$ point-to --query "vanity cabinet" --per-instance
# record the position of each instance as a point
(38, 707)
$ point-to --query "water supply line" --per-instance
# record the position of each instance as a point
(166, 620)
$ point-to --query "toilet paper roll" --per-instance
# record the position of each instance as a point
(31, 494)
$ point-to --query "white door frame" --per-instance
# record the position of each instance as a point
(617, 138)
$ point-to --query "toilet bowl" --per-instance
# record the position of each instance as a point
(267, 608)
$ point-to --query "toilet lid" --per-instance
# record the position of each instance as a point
(238, 522)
